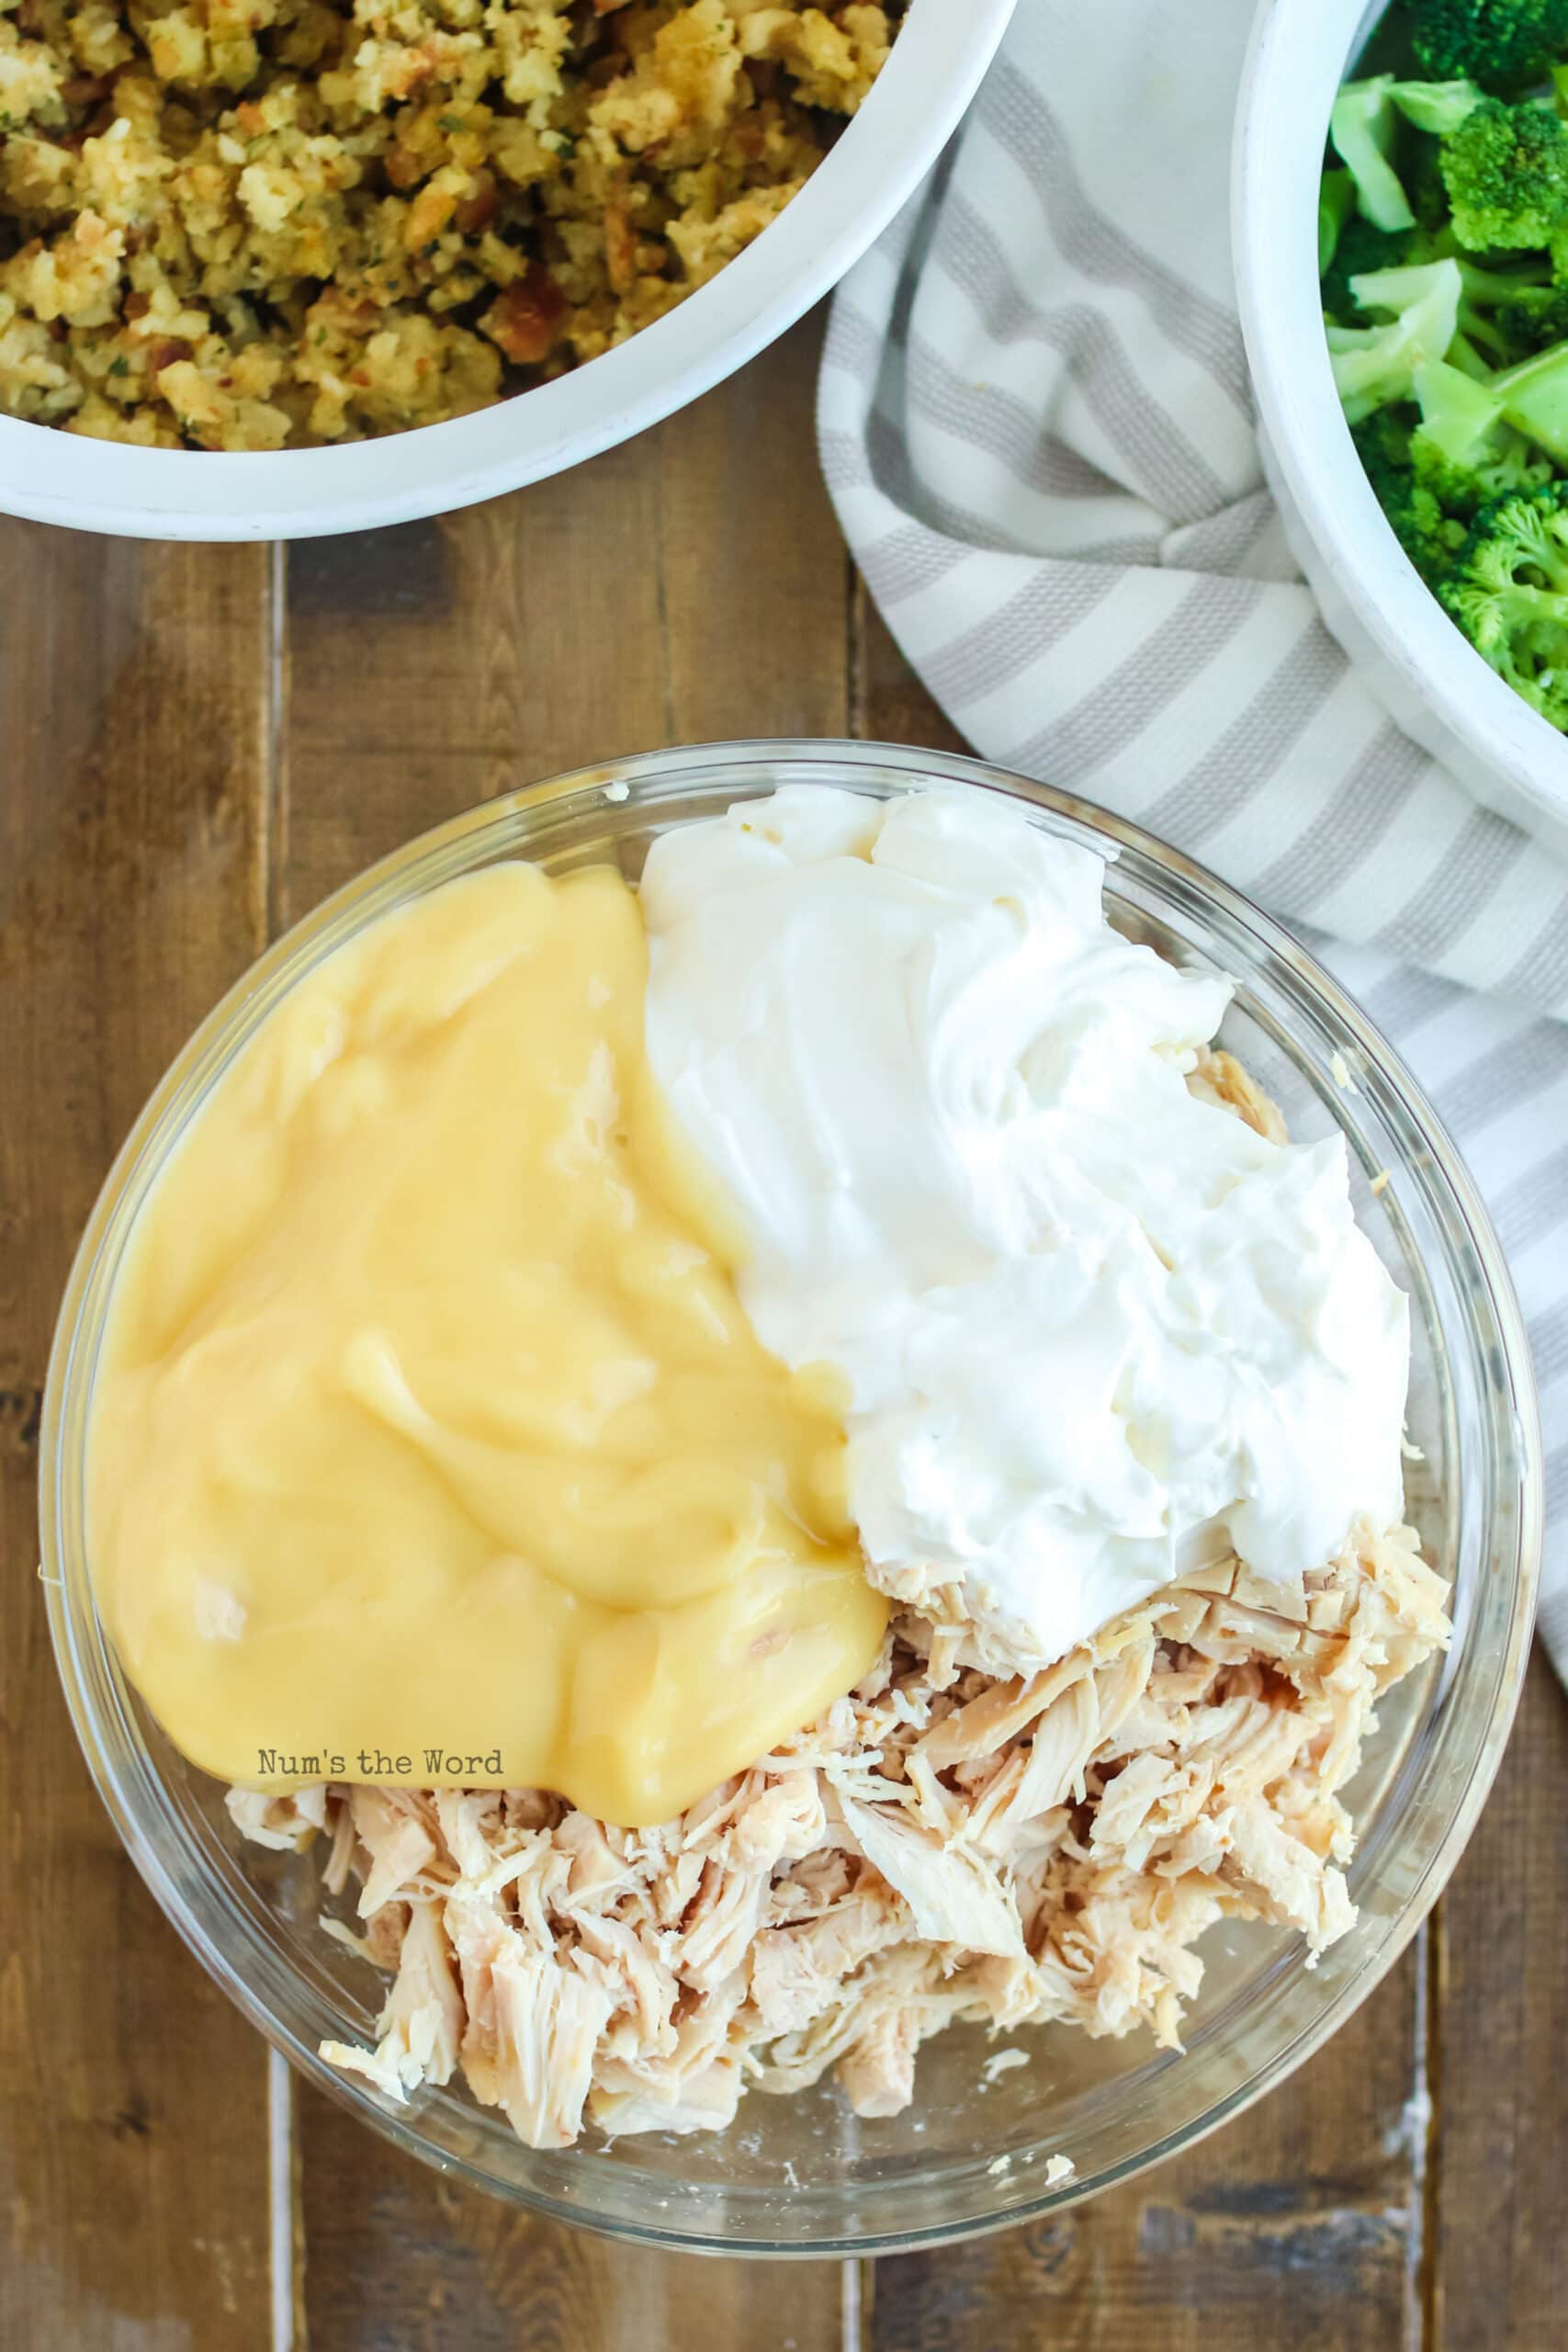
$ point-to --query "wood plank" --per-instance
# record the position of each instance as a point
(434, 666)
(756, 578)
(688, 586)
(398, 2260)
(1297, 2227)
(132, 2097)
(890, 703)
(1500, 2254)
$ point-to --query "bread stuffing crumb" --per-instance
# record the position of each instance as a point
(307, 221)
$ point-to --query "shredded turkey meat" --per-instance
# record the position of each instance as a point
(940, 1844)
(946, 1842)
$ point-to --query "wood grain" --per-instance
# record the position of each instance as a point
(689, 585)
(890, 704)
(1296, 2228)
(133, 2114)
(1500, 2273)
(755, 578)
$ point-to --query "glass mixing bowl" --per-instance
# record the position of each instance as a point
(804, 2175)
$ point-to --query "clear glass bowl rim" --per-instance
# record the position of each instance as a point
(127, 1782)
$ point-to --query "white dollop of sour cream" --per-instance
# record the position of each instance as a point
(1094, 1328)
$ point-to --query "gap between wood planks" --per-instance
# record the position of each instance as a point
(286, 2237)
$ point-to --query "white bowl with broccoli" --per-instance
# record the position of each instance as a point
(1438, 240)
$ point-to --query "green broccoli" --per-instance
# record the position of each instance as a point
(1413, 349)
(1421, 177)
(1364, 127)
(1504, 45)
(1508, 314)
(1534, 397)
(1362, 250)
(1531, 317)
(1505, 462)
(1459, 413)
(1430, 500)
(1509, 591)
(1446, 309)
(1436, 106)
(1461, 404)
(1335, 206)
(1430, 536)
(1361, 130)
(1375, 366)
(1506, 169)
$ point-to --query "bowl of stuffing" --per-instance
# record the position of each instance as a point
(1400, 225)
(1027, 1404)
(369, 263)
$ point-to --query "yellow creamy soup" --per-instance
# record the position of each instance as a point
(428, 1426)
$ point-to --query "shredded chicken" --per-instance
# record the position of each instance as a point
(945, 1842)
(938, 1845)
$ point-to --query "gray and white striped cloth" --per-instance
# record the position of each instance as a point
(1036, 426)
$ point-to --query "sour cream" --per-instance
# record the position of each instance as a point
(1091, 1328)
(428, 1443)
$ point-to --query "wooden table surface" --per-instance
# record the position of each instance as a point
(200, 742)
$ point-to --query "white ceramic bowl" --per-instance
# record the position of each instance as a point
(938, 59)
(1372, 598)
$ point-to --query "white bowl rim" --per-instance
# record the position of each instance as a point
(942, 50)
(1297, 58)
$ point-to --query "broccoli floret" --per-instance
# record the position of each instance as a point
(1509, 591)
(1508, 314)
(1498, 330)
(1463, 404)
(1534, 397)
(1430, 535)
(1504, 45)
(1374, 366)
(1430, 499)
(1335, 206)
(1507, 463)
(1420, 172)
(1435, 107)
(1364, 126)
(1446, 304)
(1361, 249)
(1531, 317)
(1361, 130)
(1503, 460)
(1524, 318)
(1459, 413)
(1412, 349)
(1506, 169)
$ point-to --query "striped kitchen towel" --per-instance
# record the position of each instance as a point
(1036, 426)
